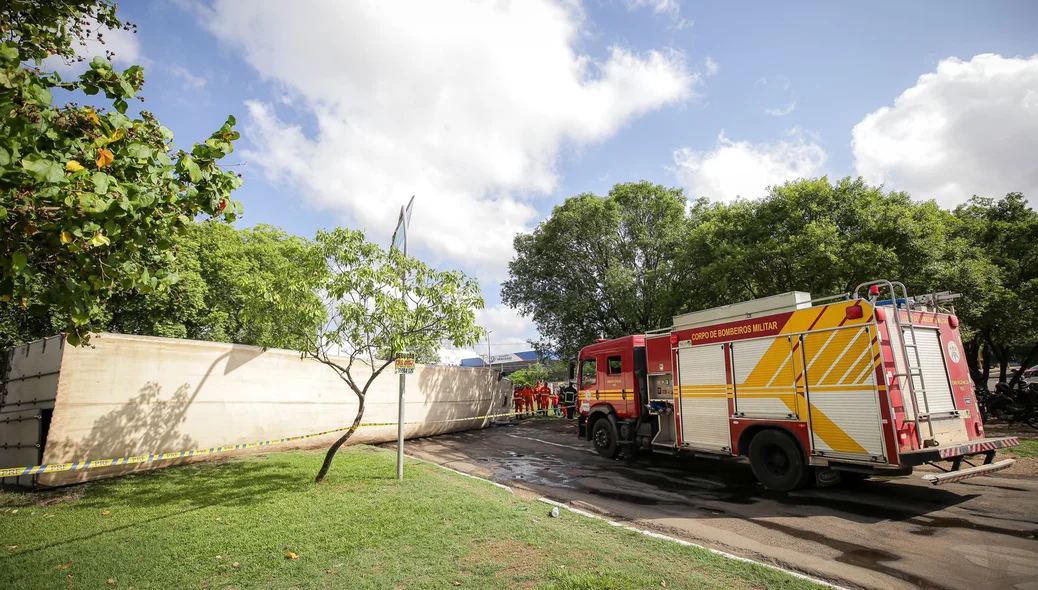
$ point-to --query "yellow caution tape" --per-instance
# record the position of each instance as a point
(81, 465)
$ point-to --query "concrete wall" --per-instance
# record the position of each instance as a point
(132, 395)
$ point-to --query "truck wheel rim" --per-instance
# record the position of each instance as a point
(602, 438)
(776, 461)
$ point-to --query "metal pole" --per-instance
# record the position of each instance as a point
(405, 222)
(400, 431)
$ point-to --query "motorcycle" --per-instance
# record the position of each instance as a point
(1016, 405)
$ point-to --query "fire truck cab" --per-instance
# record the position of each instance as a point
(808, 389)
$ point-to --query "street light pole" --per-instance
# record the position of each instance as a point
(489, 356)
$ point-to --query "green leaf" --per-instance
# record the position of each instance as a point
(80, 317)
(3, 213)
(120, 105)
(100, 63)
(42, 169)
(5, 157)
(101, 182)
(9, 51)
(119, 121)
(41, 94)
(138, 151)
(193, 171)
(18, 262)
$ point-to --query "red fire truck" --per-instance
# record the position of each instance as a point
(808, 389)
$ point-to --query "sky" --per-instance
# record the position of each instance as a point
(491, 112)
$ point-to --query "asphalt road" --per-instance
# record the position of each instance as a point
(900, 533)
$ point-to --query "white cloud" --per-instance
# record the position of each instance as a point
(781, 112)
(452, 102)
(123, 44)
(509, 332)
(710, 66)
(190, 80)
(669, 8)
(743, 169)
(967, 128)
(786, 95)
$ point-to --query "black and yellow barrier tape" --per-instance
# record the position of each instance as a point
(81, 465)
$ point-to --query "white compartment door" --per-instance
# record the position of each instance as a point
(704, 389)
(843, 394)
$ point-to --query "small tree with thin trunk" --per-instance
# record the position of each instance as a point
(362, 321)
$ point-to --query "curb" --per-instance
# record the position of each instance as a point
(656, 535)
(493, 483)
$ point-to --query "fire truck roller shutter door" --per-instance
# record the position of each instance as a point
(931, 358)
(764, 378)
(843, 401)
(704, 397)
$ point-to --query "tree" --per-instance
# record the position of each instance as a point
(91, 199)
(1001, 316)
(221, 269)
(811, 235)
(543, 372)
(600, 266)
(361, 321)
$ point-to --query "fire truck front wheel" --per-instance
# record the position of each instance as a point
(777, 461)
(603, 436)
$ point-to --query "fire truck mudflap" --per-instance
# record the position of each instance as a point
(959, 454)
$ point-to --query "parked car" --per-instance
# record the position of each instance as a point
(1031, 375)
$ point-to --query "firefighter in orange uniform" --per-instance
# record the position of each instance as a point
(528, 398)
(542, 398)
(517, 400)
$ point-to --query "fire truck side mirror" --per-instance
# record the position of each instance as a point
(572, 370)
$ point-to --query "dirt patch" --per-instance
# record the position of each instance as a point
(516, 560)
(1026, 467)
(1018, 430)
(19, 497)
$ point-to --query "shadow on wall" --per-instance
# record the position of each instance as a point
(145, 424)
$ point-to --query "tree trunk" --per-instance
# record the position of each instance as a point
(986, 352)
(342, 440)
(1003, 362)
(973, 362)
(1024, 365)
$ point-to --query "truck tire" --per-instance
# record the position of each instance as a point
(777, 461)
(603, 436)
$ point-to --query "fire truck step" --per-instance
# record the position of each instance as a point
(953, 476)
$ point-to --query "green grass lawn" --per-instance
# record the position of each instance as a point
(238, 523)
(1027, 448)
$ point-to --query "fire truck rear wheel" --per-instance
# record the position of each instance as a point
(603, 436)
(777, 461)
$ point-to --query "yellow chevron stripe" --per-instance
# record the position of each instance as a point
(855, 347)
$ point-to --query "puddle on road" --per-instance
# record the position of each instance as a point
(629, 498)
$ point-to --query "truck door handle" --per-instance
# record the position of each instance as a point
(623, 394)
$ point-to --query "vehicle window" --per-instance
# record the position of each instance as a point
(613, 365)
(588, 372)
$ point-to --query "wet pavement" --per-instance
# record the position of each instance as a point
(897, 533)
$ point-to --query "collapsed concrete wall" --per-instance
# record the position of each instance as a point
(131, 395)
